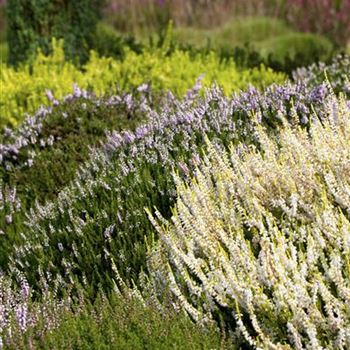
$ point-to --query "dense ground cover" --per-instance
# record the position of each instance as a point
(94, 232)
(262, 235)
(117, 182)
(144, 205)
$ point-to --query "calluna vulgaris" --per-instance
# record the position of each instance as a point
(262, 236)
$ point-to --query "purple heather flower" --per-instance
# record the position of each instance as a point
(318, 93)
(304, 120)
(76, 91)
(24, 288)
(143, 88)
(184, 168)
(21, 315)
(49, 95)
(128, 136)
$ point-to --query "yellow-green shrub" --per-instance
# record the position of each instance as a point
(24, 89)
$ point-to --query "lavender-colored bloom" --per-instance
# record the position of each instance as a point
(49, 95)
(184, 168)
(193, 93)
(76, 91)
(21, 315)
(25, 289)
(141, 131)
(318, 93)
(128, 137)
(143, 88)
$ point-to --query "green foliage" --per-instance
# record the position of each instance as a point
(251, 30)
(122, 323)
(33, 23)
(3, 53)
(306, 48)
(176, 71)
(235, 33)
(251, 41)
(110, 43)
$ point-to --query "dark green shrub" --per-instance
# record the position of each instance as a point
(33, 23)
(109, 43)
(3, 52)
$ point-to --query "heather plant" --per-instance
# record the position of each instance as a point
(120, 322)
(260, 237)
(337, 72)
(98, 220)
(21, 318)
(33, 153)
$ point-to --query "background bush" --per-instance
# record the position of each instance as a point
(306, 48)
(31, 24)
(256, 40)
